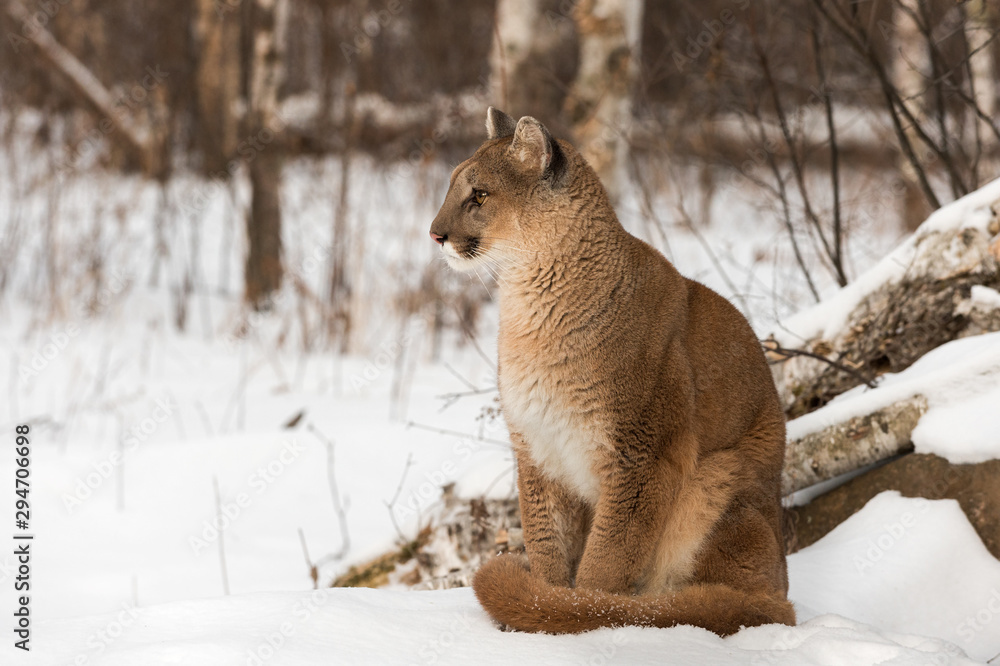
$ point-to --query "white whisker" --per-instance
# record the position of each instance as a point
(488, 293)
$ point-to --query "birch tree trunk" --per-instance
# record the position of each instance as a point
(517, 22)
(600, 103)
(528, 58)
(264, 270)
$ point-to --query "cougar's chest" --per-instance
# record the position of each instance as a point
(561, 439)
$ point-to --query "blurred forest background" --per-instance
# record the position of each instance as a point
(214, 222)
(829, 115)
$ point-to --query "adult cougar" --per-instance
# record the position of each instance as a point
(647, 429)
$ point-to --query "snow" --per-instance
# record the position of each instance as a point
(982, 295)
(905, 565)
(909, 603)
(827, 318)
(131, 494)
(961, 381)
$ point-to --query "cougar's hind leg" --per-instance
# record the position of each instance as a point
(746, 553)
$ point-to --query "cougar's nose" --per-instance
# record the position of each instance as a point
(438, 238)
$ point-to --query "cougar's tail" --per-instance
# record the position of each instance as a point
(519, 599)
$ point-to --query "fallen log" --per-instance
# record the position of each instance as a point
(976, 487)
(937, 286)
(850, 445)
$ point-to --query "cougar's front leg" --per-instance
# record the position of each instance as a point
(634, 503)
(554, 522)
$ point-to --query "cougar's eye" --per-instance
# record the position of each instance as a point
(479, 196)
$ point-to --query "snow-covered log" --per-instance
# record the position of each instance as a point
(851, 444)
(935, 287)
(458, 535)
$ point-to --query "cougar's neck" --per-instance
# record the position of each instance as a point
(573, 285)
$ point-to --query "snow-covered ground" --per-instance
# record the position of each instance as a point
(163, 472)
(126, 457)
(903, 571)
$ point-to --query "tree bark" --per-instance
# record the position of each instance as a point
(218, 79)
(264, 271)
(600, 103)
(978, 32)
(517, 23)
(528, 59)
(340, 297)
(910, 72)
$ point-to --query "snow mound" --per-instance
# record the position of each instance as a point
(926, 574)
(905, 565)
(961, 381)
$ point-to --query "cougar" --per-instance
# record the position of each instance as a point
(647, 430)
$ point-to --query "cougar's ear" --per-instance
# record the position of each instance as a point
(534, 147)
(498, 124)
(532, 144)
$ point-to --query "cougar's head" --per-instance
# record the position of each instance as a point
(519, 165)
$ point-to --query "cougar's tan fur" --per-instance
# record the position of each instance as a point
(647, 429)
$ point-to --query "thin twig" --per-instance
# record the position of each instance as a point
(798, 169)
(206, 422)
(456, 433)
(391, 504)
(475, 343)
(338, 505)
(313, 570)
(689, 223)
(838, 226)
(465, 394)
(775, 348)
(646, 202)
(785, 207)
(455, 373)
(222, 532)
(499, 477)
(895, 104)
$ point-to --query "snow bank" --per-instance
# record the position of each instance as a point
(961, 381)
(912, 574)
(905, 565)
